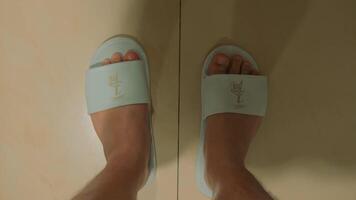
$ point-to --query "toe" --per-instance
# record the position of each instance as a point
(247, 68)
(131, 55)
(255, 72)
(106, 61)
(236, 64)
(116, 57)
(219, 64)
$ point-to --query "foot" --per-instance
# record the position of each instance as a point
(228, 135)
(124, 132)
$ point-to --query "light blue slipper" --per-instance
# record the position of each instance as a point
(228, 93)
(119, 84)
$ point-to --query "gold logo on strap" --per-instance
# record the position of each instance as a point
(114, 82)
(238, 91)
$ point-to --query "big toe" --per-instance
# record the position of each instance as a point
(219, 64)
(247, 68)
(131, 55)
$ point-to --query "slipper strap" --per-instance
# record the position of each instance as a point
(116, 85)
(234, 93)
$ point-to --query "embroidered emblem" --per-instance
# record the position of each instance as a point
(238, 91)
(116, 84)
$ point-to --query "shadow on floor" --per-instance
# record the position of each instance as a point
(158, 32)
(309, 119)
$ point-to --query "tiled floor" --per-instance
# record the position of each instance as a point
(304, 150)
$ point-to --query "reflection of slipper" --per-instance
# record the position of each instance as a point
(119, 84)
(228, 93)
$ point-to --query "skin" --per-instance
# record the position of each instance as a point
(126, 139)
(119, 130)
(227, 140)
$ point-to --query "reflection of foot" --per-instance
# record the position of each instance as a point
(124, 132)
(228, 136)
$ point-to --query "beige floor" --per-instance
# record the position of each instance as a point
(48, 147)
(305, 148)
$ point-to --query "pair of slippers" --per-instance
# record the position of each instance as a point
(126, 83)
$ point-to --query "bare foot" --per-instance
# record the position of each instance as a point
(227, 139)
(124, 132)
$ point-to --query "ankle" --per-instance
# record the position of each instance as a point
(133, 166)
(227, 176)
(223, 168)
(238, 184)
(134, 178)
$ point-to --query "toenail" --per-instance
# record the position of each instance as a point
(131, 55)
(116, 54)
(106, 61)
(116, 57)
(222, 60)
(237, 57)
